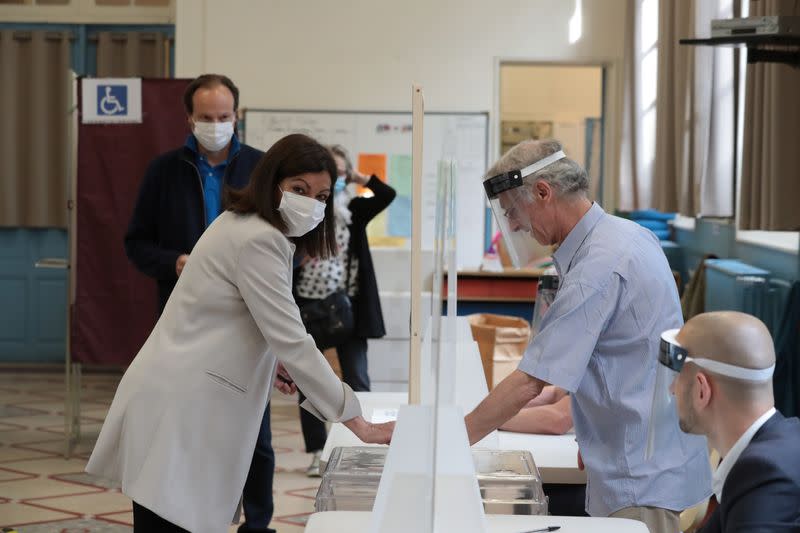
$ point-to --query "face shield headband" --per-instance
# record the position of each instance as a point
(674, 356)
(663, 415)
(510, 203)
(501, 183)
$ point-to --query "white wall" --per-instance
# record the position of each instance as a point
(364, 55)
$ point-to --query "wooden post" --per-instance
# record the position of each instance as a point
(415, 349)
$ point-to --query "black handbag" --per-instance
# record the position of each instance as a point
(330, 321)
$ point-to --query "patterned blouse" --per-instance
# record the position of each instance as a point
(322, 277)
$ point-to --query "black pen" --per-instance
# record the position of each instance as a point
(551, 528)
(287, 381)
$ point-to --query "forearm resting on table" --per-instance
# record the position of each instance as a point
(555, 419)
(549, 395)
(503, 402)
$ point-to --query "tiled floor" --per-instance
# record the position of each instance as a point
(40, 491)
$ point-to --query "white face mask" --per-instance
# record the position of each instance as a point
(213, 136)
(301, 213)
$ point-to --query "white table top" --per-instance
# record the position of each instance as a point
(356, 522)
(554, 455)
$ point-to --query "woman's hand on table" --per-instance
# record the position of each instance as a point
(370, 433)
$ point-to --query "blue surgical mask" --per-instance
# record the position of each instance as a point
(340, 185)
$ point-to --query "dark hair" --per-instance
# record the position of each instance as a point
(207, 81)
(291, 156)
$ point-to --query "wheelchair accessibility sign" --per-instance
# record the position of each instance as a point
(111, 100)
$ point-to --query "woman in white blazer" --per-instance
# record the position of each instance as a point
(180, 433)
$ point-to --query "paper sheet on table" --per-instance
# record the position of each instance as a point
(384, 415)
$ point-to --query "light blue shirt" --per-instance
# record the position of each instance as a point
(600, 340)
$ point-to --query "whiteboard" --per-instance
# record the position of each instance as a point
(461, 136)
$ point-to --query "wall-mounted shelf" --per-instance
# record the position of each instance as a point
(760, 47)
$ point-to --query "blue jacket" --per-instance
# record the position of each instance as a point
(762, 491)
(169, 215)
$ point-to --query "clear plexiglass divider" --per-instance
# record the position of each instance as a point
(429, 480)
(428, 483)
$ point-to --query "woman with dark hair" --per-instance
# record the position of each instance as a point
(179, 435)
(350, 270)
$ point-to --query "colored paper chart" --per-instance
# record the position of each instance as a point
(399, 217)
(370, 164)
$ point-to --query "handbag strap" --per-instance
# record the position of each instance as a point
(347, 266)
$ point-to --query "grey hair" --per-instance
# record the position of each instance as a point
(565, 175)
(341, 151)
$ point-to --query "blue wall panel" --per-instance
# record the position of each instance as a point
(719, 238)
(32, 300)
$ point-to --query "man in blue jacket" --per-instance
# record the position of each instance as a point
(180, 196)
(724, 390)
(181, 193)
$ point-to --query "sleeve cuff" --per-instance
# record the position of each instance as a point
(545, 374)
(351, 407)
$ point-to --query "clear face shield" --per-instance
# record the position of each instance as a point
(511, 199)
(672, 356)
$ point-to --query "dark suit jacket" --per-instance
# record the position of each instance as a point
(762, 491)
(786, 381)
(169, 215)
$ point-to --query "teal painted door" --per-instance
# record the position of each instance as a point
(33, 310)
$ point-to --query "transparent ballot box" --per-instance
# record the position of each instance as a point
(509, 481)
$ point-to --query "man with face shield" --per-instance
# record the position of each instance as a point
(719, 368)
(599, 338)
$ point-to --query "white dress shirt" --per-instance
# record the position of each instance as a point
(721, 474)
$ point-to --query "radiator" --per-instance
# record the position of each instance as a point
(736, 286)
(765, 299)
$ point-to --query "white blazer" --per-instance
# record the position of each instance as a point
(180, 433)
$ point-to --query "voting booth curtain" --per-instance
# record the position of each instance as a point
(115, 305)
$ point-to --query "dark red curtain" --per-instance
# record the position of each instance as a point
(115, 305)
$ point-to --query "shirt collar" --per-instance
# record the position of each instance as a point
(191, 144)
(724, 468)
(567, 250)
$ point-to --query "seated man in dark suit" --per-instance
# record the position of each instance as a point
(724, 391)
